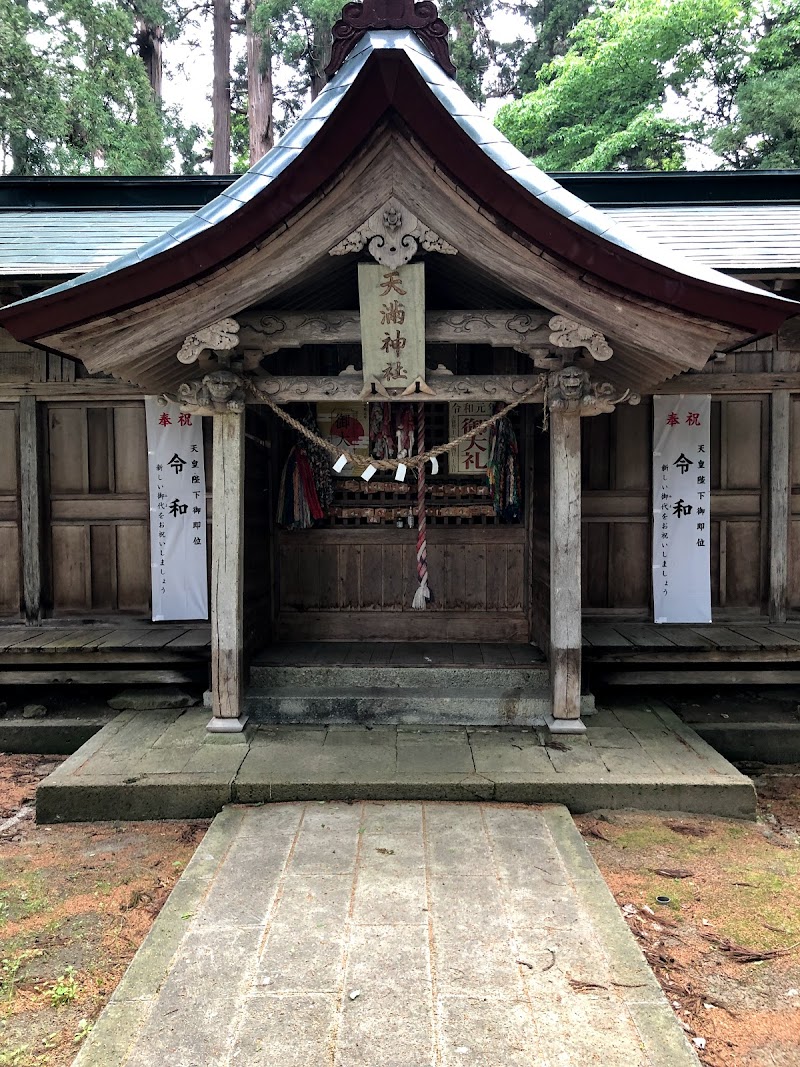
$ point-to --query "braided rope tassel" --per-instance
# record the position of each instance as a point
(423, 593)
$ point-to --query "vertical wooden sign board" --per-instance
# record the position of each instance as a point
(681, 508)
(392, 305)
(472, 455)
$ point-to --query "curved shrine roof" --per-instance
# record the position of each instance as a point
(390, 71)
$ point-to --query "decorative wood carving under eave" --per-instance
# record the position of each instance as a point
(565, 333)
(440, 386)
(525, 331)
(392, 236)
(220, 336)
(217, 392)
(572, 390)
(224, 390)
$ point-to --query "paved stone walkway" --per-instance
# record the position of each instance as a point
(389, 935)
(165, 764)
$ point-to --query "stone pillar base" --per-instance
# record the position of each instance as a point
(218, 725)
(565, 726)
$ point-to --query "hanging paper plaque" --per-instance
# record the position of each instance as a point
(346, 425)
(681, 509)
(392, 306)
(177, 479)
(471, 456)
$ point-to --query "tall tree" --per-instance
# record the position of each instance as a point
(260, 96)
(221, 89)
(644, 81)
(74, 97)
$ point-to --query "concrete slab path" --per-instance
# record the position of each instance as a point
(389, 935)
(163, 764)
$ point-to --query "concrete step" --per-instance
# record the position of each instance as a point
(476, 706)
(534, 678)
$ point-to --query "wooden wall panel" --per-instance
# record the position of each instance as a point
(473, 571)
(130, 462)
(741, 447)
(616, 523)
(629, 572)
(70, 568)
(10, 591)
(97, 534)
(133, 566)
(68, 449)
(743, 564)
(794, 506)
(10, 558)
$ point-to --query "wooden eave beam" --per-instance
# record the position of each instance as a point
(139, 344)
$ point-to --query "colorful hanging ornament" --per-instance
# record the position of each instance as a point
(381, 438)
(502, 471)
(405, 432)
(320, 463)
(299, 506)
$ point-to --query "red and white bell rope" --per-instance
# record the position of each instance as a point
(423, 593)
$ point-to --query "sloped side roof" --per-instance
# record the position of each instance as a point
(764, 238)
(391, 71)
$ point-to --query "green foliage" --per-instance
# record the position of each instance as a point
(643, 80)
(74, 95)
(83, 1030)
(65, 988)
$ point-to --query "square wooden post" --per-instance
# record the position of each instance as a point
(779, 504)
(227, 571)
(31, 504)
(565, 565)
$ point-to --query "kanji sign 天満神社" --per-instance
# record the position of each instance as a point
(392, 306)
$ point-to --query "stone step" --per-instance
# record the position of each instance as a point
(533, 679)
(461, 707)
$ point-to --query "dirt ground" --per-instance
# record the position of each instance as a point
(76, 902)
(726, 945)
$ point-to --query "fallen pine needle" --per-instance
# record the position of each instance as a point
(672, 872)
(747, 955)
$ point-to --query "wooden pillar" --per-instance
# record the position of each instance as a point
(31, 507)
(227, 559)
(779, 504)
(565, 564)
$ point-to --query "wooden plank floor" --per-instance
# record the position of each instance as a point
(628, 642)
(399, 654)
(130, 653)
(62, 642)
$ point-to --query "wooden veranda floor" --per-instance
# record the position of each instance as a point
(732, 653)
(97, 653)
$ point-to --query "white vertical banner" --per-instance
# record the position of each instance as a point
(681, 509)
(177, 480)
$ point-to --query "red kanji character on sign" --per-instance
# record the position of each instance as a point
(184, 419)
(164, 419)
(693, 418)
(672, 418)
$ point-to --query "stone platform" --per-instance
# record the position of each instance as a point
(166, 765)
(389, 935)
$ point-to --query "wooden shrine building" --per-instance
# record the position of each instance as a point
(272, 311)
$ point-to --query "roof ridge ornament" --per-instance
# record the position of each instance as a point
(422, 18)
